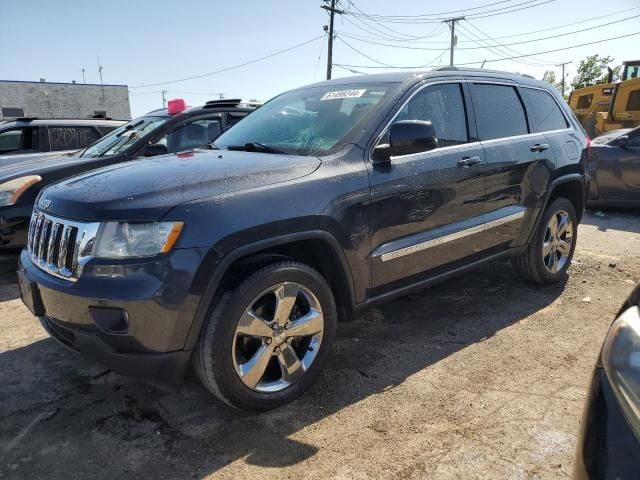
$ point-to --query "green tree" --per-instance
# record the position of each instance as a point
(593, 70)
(550, 77)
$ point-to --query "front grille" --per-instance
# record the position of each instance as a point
(58, 246)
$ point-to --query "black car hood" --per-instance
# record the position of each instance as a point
(147, 189)
(14, 166)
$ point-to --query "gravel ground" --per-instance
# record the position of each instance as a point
(480, 377)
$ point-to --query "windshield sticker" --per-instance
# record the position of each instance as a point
(343, 94)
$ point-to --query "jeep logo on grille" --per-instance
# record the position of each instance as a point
(45, 203)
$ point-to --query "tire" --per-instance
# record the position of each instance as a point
(237, 331)
(533, 264)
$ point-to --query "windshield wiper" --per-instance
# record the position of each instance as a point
(254, 147)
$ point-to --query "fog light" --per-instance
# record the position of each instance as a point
(111, 320)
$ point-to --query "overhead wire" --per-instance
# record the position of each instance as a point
(233, 67)
(493, 60)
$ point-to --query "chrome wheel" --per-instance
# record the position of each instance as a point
(278, 337)
(558, 239)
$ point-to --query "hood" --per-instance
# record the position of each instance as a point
(147, 189)
(14, 166)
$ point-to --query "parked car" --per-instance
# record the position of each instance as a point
(162, 131)
(40, 138)
(609, 441)
(614, 166)
(325, 201)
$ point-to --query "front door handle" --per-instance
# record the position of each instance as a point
(540, 147)
(467, 162)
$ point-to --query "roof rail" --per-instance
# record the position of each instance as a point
(226, 102)
(458, 69)
(25, 119)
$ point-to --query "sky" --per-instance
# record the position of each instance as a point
(144, 42)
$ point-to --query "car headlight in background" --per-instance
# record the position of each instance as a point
(124, 240)
(11, 191)
(621, 360)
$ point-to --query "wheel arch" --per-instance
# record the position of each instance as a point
(572, 187)
(316, 248)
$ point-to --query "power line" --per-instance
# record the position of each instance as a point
(513, 57)
(501, 54)
(442, 13)
(566, 25)
(493, 39)
(393, 32)
(487, 13)
(502, 49)
(232, 67)
(364, 54)
(521, 34)
(553, 36)
(339, 37)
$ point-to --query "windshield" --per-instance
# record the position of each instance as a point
(125, 136)
(310, 121)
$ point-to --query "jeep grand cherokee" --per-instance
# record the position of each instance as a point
(323, 202)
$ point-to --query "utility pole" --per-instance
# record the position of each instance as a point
(562, 65)
(83, 80)
(100, 73)
(332, 11)
(164, 99)
(452, 26)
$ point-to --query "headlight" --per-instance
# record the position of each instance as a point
(11, 191)
(122, 240)
(621, 360)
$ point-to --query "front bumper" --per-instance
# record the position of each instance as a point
(607, 447)
(14, 223)
(131, 316)
(169, 366)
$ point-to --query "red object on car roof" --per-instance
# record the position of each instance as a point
(176, 106)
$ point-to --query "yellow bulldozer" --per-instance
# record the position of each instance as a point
(609, 106)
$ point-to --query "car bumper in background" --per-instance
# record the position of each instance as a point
(607, 447)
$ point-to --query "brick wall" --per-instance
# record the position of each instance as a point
(65, 100)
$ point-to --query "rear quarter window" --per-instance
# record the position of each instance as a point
(543, 111)
(499, 112)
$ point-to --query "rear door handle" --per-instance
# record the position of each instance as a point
(467, 162)
(540, 147)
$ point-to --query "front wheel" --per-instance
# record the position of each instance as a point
(266, 343)
(550, 251)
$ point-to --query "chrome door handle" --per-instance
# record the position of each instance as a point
(467, 162)
(540, 147)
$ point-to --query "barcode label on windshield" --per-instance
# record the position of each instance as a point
(343, 94)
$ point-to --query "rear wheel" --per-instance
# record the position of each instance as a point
(266, 343)
(550, 251)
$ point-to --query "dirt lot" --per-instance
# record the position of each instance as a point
(481, 377)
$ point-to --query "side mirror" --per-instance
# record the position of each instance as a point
(154, 149)
(622, 141)
(407, 137)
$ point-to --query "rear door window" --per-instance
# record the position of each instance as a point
(499, 112)
(71, 137)
(543, 111)
(19, 140)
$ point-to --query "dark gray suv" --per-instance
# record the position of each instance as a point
(323, 202)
